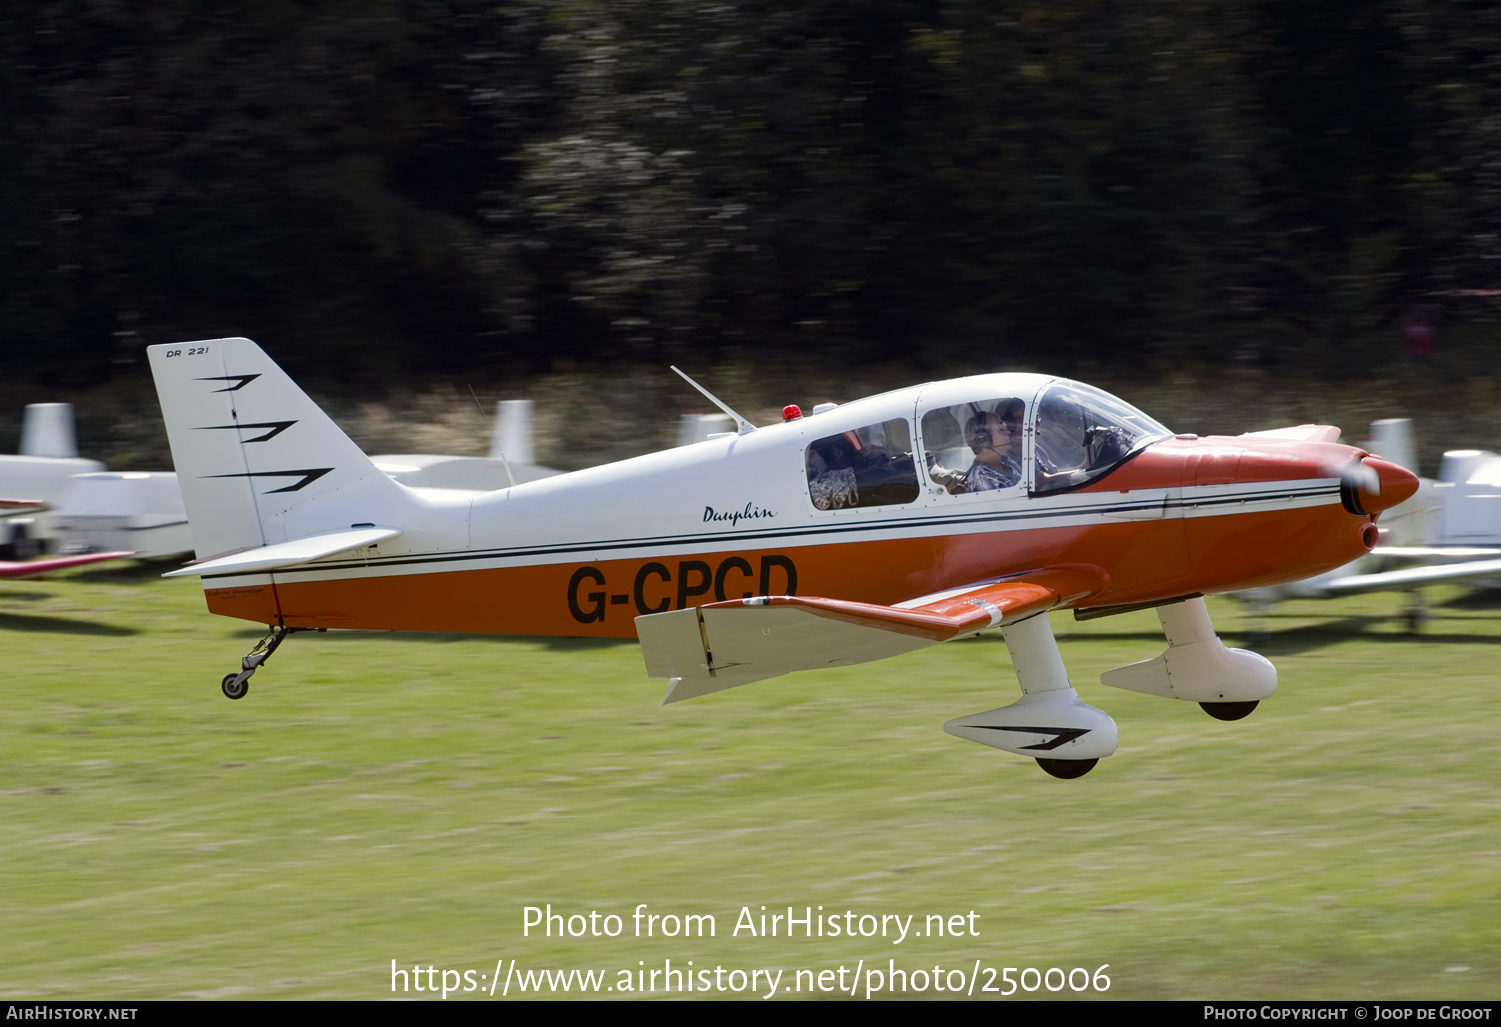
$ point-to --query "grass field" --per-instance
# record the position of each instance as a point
(404, 797)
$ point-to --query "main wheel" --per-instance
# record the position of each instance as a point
(1067, 769)
(232, 690)
(1230, 710)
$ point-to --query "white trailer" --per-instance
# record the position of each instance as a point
(118, 510)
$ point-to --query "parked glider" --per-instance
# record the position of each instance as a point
(31, 568)
(875, 528)
(17, 507)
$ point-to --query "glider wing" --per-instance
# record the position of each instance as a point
(29, 568)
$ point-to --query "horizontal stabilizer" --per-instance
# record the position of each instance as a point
(722, 645)
(288, 554)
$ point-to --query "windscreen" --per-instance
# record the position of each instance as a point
(1081, 433)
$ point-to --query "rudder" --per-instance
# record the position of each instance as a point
(252, 450)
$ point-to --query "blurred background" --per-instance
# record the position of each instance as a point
(797, 199)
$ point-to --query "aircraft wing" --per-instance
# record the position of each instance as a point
(16, 507)
(1410, 577)
(28, 568)
(721, 645)
(1442, 554)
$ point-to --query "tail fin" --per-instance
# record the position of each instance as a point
(253, 452)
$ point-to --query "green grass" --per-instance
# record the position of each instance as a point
(381, 797)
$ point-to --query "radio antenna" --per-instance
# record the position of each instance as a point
(743, 426)
(495, 441)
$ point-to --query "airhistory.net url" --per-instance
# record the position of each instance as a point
(857, 982)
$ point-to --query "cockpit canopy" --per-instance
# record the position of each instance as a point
(1084, 433)
(1004, 435)
(1051, 439)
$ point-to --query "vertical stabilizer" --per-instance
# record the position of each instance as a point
(512, 440)
(48, 431)
(1391, 439)
(252, 451)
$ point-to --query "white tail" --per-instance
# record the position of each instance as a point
(258, 462)
(48, 431)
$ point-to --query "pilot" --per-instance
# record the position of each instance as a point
(996, 441)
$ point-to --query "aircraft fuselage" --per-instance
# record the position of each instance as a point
(584, 554)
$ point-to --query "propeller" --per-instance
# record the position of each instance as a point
(1370, 485)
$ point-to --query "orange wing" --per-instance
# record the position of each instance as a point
(722, 645)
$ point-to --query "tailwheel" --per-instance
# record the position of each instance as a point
(1230, 710)
(234, 686)
(1067, 769)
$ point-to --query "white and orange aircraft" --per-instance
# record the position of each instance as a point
(875, 528)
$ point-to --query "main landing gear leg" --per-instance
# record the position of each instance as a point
(236, 685)
(1049, 722)
(1198, 667)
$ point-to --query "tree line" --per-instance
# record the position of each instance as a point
(385, 188)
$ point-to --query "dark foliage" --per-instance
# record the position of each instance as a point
(380, 188)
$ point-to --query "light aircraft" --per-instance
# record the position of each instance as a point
(31, 568)
(41, 471)
(846, 536)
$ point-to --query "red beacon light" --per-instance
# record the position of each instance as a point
(791, 412)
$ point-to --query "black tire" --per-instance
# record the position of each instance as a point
(232, 690)
(1230, 710)
(1067, 769)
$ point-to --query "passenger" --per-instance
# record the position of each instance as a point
(1011, 413)
(831, 479)
(853, 469)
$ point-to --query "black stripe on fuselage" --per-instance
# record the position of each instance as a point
(596, 548)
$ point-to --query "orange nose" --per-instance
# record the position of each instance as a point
(1388, 486)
